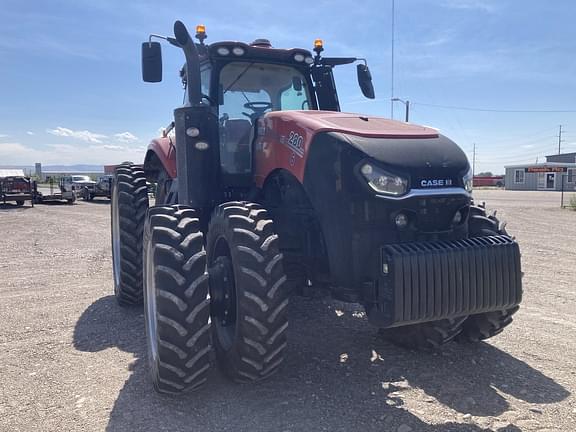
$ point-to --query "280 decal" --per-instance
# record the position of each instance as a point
(296, 143)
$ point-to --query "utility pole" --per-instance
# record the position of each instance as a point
(407, 110)
(392, 66)
(560, 139)
(473, 161)
(406, 105)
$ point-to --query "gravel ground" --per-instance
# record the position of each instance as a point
(72, 360)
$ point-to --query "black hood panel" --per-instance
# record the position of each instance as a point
(417, 157)
(426, 162)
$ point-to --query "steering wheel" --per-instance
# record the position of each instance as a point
(259, 108)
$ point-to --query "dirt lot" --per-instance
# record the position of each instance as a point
(72, 360)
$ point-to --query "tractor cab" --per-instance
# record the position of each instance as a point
(245, 91)
(233, 85)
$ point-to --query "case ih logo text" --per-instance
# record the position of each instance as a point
(436, 183)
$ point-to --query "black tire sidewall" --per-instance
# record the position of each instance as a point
(237, 360)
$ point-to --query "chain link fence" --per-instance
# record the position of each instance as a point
(568, 195)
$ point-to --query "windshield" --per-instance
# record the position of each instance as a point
(248, 91)
(280, 87)
(80, 178)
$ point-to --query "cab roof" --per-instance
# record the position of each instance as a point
(258, 50)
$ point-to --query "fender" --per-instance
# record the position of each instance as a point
(285, 137)
(164, 149)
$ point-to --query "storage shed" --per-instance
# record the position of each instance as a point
(557, 173)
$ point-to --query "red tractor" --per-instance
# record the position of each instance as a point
(266, 189)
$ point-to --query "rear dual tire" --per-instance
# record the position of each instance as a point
(426, 336)
(128, 212)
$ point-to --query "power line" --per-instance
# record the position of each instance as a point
(474, 160)
(392, 66)
(461, 108)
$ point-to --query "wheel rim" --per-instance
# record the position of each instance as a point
(223, 309)
(150, 294)
(115, 237)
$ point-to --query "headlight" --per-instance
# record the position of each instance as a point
(469, 181)
(384, 182)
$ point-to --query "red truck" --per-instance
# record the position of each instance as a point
(497, 181)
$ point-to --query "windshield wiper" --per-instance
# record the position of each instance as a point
(240, 75)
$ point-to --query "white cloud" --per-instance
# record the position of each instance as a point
(126, 137)
(84, 135)
(112, 147)
(65, 154)
(30, 133)
(3, 136)
(13, 153)
(482, 5)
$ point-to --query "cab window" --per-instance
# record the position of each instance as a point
(249, 90)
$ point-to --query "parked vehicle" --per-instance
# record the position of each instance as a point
(76, 183)
(57, 191)
(497, 181)
(101, 188)
(266, 188)
(18, 189)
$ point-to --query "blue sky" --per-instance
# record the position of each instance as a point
(71, 91)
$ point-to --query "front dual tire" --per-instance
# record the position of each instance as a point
(248, 290)
(230, 299)
(176, 300)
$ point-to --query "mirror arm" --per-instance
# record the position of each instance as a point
(362, 60)
(170, 40)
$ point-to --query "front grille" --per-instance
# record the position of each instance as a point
(435, 280)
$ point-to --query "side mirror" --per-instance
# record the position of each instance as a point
(365, 81)
(151, 62)
(297, 83)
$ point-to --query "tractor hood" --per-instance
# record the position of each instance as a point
(401, 146)
(355, 124)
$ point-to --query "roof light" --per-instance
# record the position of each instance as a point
(299, 57)
(262, 43)
(238, 51)
(318, 43)
(201, 33)
(223, 51)
(309, 60)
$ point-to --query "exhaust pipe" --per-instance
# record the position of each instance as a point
(192, 63)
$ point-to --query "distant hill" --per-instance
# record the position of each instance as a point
(71, 168)
(59, 168)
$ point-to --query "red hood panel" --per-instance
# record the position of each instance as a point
(355, 124)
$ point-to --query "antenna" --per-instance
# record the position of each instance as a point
(392, 66)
